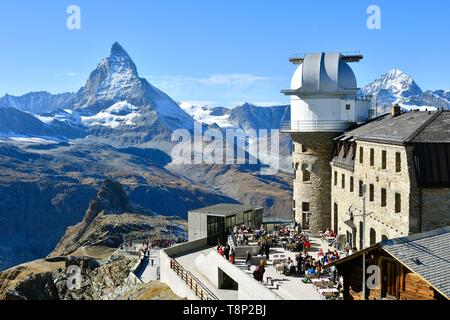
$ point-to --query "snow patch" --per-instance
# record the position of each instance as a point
(203, 114)
(119, 114)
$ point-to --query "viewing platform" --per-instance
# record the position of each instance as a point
(314, 126)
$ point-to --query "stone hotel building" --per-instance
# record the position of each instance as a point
(400, 164)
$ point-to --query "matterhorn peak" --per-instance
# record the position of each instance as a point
(120, 61)
(118, 50)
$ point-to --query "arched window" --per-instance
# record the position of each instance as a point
(373, 237)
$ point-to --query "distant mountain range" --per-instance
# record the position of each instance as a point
(396, 86)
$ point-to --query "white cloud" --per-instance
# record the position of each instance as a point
(71, 74)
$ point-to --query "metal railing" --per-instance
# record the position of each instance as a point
(314, 126)
(192, 282)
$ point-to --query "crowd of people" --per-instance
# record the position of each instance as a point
(302, 265)
(227, 252)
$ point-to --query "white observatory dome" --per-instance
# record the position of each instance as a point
(323, 73)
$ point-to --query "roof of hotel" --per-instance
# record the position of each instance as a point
(409, 127)
(429, 132)
(224, 209)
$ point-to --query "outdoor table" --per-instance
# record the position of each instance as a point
(328, 292)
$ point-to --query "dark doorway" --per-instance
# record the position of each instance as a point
(226, 282)
(350, 239)
(336, 217)
(389, 285)
(216, 230)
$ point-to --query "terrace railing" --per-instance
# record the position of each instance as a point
(192, 282)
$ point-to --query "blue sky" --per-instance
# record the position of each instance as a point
(220, 52)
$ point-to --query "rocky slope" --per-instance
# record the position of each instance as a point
(44, 188)
(108, 223)
(272, 192)
(91, 245)
(106, 279)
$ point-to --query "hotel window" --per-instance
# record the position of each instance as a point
(372, 157)
(398, 162)
(383, 197)
(371, 193)
(305, 206)
(306, 176)
(383, 159)
(335, 178)
(361, 187)
(348, 106)
(398, 203)
(343, 181)
(352, 184)
(361, 155)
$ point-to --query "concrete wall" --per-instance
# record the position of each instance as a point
(169, 277)
(197, 226)
(132, 276)
(248, 288)
(241, 251)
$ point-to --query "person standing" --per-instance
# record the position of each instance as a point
(248, 260)
(226, 252)
(347, 249)
(267, 250)
(232, 256)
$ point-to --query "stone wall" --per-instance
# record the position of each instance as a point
(312, 155)
(421, 209)
(435, 208)
(385, 222)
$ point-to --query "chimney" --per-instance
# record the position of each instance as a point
(396, 111)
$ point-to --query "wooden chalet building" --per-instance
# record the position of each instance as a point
(410, 268)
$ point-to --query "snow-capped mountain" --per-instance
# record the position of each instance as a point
(250, 116)
(396, 86)
(116, 81)
(115, 104)
(36, 102)
(208, 115)
(247, 116)
(15, 123)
